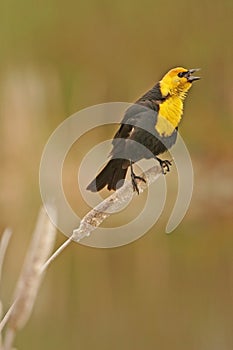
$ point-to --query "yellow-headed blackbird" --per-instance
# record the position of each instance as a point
(149, 128)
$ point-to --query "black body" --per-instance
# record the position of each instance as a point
(136, 138)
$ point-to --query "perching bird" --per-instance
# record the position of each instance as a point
(149, 128)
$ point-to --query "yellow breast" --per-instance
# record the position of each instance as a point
(169, 115)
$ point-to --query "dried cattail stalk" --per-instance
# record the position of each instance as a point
(113, 203)
(0, 319)
(3, 247)
(93, 219)
(30, 279)
(42, 244)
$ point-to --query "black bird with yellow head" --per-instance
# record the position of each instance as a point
(148, 128)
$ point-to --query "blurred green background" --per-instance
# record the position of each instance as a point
(161, 291)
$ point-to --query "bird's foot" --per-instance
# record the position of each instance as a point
(134, 178)
(165, 165)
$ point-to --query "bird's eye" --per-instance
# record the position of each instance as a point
(181, 74)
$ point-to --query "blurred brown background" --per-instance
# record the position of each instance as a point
(160, 292)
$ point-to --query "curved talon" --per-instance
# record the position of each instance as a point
(165, 165)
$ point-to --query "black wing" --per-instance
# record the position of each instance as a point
(142, 114)
(137, 115)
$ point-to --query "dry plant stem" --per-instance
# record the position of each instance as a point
(3, 247)
(56, 253)
(9, 339)
(42, 243)
(30, 279)
(97, 215)
(91, 221)
(113, 203)
(21, 309)
(7, 316)
(0, 332)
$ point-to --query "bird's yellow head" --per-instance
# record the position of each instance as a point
(177, 82)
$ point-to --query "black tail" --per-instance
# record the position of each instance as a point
(111, 174)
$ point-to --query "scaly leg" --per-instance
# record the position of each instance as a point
(134, 177)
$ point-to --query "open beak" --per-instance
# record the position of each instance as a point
(190, 77)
